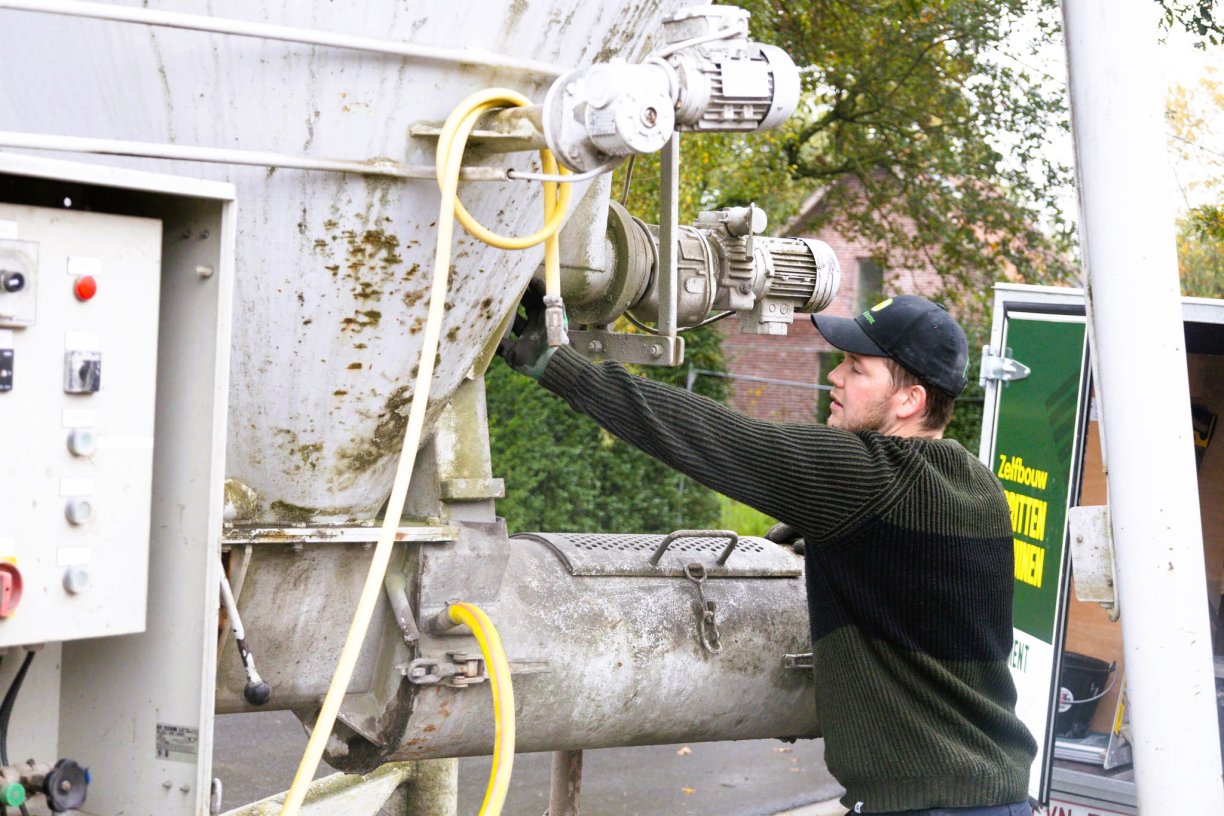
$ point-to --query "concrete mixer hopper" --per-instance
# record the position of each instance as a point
(245, 353)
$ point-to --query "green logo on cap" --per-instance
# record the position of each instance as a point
(869, 317)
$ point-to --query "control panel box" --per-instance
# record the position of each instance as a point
(79, 296)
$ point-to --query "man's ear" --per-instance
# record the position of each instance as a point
(910, 401)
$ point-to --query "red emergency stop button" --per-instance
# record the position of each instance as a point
(85, 288)
(10, 588)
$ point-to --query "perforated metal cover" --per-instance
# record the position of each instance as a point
(628, 554)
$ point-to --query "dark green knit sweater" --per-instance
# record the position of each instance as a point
(909, 579)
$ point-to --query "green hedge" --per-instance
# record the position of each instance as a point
(563, 473)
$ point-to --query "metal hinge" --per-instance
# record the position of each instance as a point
(999, 368)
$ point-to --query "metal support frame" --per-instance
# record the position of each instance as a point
(566, 787)
(1126, 229)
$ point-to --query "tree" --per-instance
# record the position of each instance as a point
(1199, 17)
(922, 127)
(1200, 253)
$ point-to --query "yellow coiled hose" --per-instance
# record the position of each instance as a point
(451, 143)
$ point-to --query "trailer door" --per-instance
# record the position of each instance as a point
(1036, 378)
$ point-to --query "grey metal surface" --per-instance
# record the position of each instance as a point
(628, 554)
(626, 665)
(333, 267)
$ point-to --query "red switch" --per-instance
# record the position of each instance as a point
(85, 288)
(10, 588)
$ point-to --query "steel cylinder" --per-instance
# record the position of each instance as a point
(606, 649)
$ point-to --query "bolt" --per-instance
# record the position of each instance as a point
(655, 350)
(167, 784)
(297, 546)
(745, 287)
(65, 786)
(650, 116)
(185, 788)
(418, 672)
(595, 346)
(1079, 539)
(204, 271)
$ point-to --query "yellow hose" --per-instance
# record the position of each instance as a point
(451, 143)
(503, 701)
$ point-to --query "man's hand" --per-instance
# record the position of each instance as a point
(787, 536)
(525, 347)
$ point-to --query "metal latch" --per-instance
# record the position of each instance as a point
(803, 660)
(461, 670)
(1000, 368)
(706, 611)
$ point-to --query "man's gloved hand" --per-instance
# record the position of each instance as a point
(525, 347)
(787, 536)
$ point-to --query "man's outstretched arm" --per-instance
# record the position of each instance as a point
(811, 476)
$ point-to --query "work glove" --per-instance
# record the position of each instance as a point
(525, 347)
(787, 536)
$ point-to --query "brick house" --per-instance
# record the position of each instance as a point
(801, 355)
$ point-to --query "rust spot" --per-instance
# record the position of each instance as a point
(354, 366)
(453, 333)
(339, 392)
(430, 728)
(388, 435)
(360, 345)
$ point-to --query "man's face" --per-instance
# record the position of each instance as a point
(862, 394)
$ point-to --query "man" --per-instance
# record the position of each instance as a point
(908, 549)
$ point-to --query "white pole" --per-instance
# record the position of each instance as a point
(1130, 260)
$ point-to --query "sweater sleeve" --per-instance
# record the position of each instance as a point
(815, 478)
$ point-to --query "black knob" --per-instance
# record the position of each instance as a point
(12, 281)
(257, 693)
(66, 786)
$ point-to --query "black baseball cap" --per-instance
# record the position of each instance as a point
(919, 335)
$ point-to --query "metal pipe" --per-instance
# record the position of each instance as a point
(1127, 238)
(669, 223)
(265, 31)
(566, 788)
(220, 155)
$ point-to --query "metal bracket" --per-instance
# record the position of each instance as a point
(639, 349)
(1000, 368)
(1092, 556)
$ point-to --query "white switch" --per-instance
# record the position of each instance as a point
(82, 442)
(76, 580)
(78, 510)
